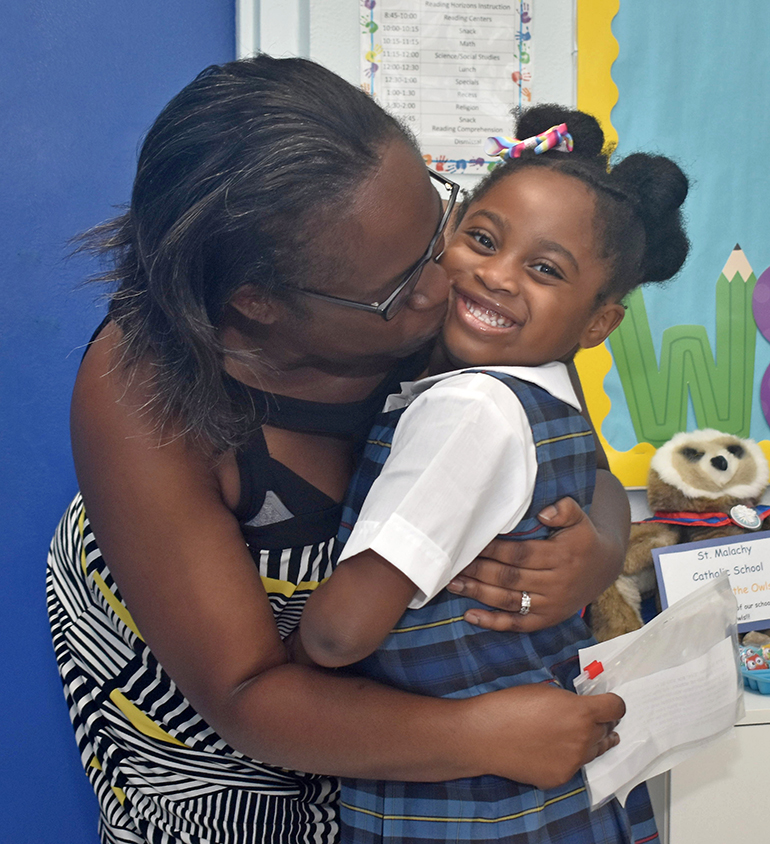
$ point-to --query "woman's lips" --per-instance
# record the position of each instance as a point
(486, 315)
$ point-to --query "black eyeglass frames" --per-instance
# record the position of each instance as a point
(397, 299)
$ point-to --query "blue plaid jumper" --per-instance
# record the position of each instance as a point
(433, 651)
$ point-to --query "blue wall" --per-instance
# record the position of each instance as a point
(80, 82)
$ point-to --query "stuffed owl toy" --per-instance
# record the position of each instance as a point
(701, 485)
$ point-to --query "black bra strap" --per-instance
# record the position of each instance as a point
(309, 529)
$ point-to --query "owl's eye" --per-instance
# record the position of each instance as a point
(691, 454)
(736, 450)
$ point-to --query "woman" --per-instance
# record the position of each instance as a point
(215, 420)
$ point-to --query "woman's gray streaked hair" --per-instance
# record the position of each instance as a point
(231, 182)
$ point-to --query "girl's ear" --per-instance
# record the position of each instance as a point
(252, 304)
(606, 319)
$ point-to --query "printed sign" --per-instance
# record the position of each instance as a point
(452, 70)
(681, 569)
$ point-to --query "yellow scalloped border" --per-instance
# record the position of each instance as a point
(597, 94)
(597, 50)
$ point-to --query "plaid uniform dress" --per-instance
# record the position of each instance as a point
(433, 651)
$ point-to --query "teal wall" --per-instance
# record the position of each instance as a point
(693, 83)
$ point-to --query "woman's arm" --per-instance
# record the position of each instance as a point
(562, 574)
(163, 523)
(532, 734)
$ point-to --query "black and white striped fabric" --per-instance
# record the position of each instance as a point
(160, 773)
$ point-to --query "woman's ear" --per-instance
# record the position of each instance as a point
(253, 305)
(606, 319)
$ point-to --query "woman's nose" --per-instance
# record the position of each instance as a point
(432, 288)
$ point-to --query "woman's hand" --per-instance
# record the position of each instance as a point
(548, 734)
(561, 574)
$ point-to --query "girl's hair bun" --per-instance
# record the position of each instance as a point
(638, 202)
(659, 187)
(586, 132)
(658, 181)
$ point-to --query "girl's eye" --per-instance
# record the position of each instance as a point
(546, 269)
(482, 239)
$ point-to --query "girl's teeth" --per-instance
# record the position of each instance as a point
(486, 316)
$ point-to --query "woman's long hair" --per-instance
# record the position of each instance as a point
(232, 179)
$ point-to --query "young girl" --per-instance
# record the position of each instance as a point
(542, 255)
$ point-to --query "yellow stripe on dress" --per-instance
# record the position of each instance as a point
(273, 586)
(441, 623)
(141, 721)
(513, 817)
(119, 609)
(564, 437)
(119, 793)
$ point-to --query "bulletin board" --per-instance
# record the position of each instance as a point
(696, 352)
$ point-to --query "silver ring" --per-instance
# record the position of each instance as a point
(526, 603)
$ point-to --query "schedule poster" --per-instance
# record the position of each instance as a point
(452, 70)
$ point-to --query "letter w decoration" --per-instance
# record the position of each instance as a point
(720, 385)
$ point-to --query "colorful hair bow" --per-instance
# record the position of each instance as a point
(557, 137)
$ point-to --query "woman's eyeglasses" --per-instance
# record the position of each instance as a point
(397, 299)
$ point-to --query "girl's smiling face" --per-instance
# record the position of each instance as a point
(526, 272)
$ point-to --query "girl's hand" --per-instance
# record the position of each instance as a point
(547, 734)
(561, 574)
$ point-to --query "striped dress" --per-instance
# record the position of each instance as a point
(433, 651)
(161, 774)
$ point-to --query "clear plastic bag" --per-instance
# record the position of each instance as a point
(680, 680)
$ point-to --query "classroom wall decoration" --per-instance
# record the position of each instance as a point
(451, 70)
(695, 353)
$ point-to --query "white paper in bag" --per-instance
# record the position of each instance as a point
(680, 681)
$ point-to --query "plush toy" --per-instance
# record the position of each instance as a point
(701, 485)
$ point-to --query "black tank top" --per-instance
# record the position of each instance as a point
(277, 507)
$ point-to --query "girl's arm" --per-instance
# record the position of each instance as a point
(460, 470)
(563, 573)
(349, 615)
